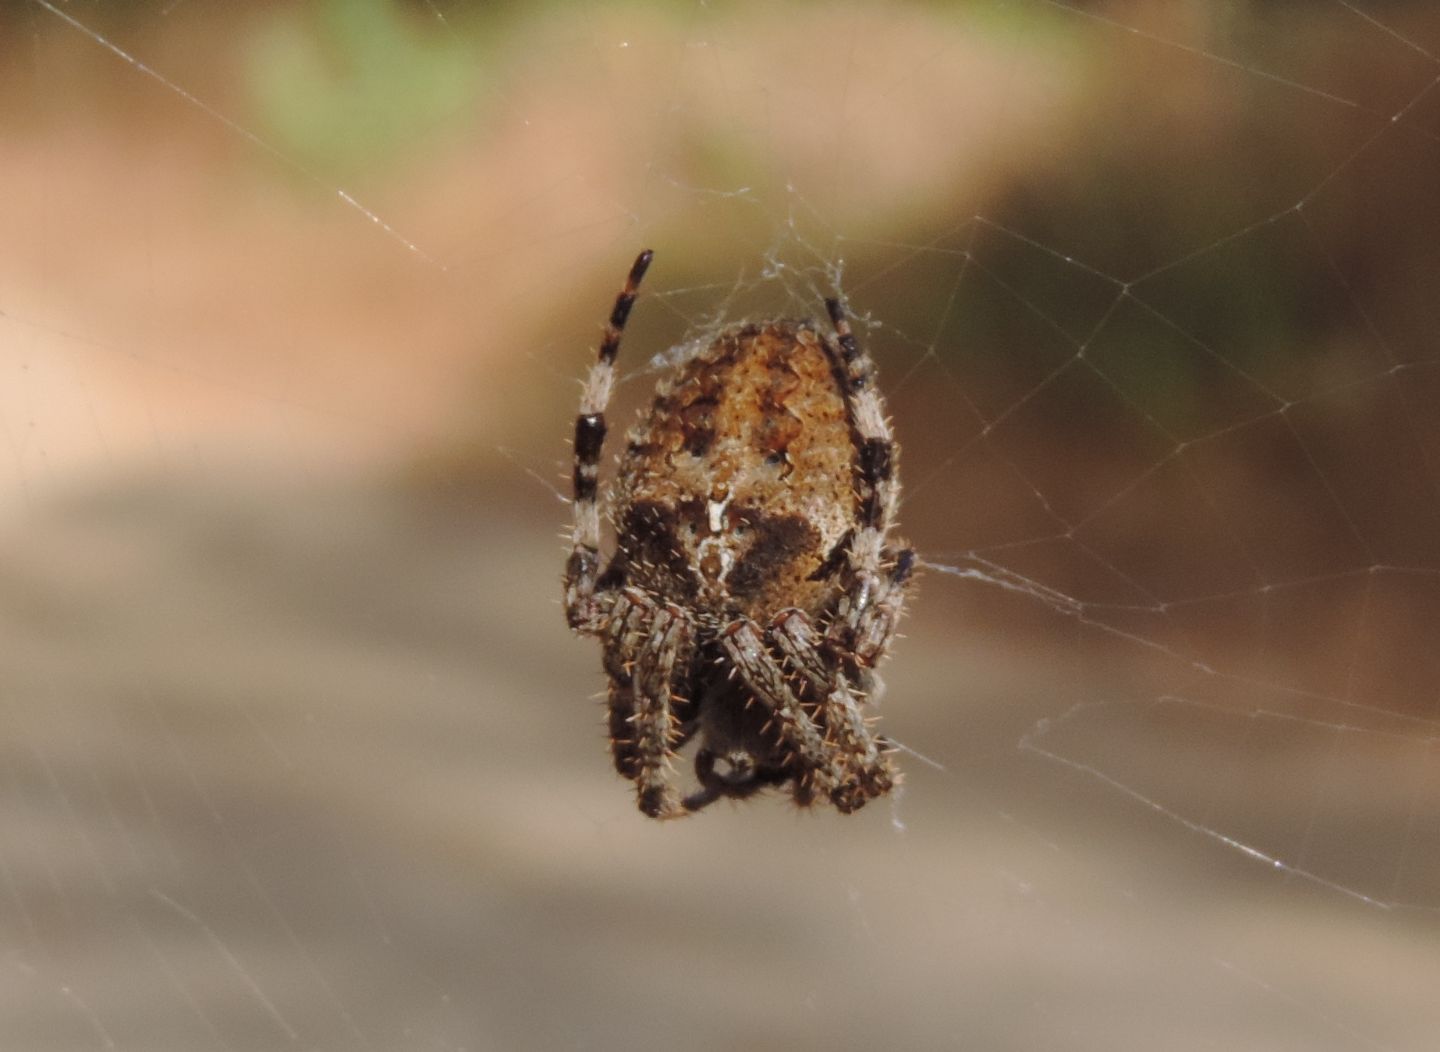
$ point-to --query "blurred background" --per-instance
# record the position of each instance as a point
(294, 298)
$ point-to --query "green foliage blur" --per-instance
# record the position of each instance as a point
(342, 84)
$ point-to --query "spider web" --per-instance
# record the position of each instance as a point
(297, 751)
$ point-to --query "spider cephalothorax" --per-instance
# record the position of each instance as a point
(752, 592)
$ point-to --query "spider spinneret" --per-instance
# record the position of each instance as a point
(752, 591)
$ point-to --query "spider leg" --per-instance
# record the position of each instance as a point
(625, 630)
(870, 772)
(583, 567)
(656, 729)
(649, 641)
(763, 675)
(875, 625)
(867, 616)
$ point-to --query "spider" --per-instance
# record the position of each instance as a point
(752, 591)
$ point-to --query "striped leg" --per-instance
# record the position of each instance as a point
(763, 675)
(656, 731)
(869, 772)
(583, 567)
(876, 624)
(624, 630)
(646, 643)
(866, 617)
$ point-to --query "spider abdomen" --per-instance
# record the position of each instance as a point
(738, 482)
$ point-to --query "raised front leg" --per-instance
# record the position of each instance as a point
(582, 570)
